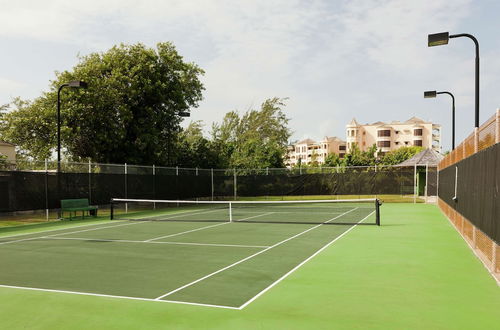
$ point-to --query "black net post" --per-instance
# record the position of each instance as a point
(111, 210)
(377, 211)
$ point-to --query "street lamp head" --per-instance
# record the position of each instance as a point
(77, 84)
(429, 94)
(438, 39)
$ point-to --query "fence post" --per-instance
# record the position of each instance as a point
(126, 190)
(267, 170)
(476, 139)
(212, 181)
(197, 171)
(497, 129)
(235, 184)
(426, 179)
(415, 188)
(46, 190)
(154, 186)
(177, 170)
(90, 181)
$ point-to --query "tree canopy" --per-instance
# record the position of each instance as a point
(128, 113)
(256, 139)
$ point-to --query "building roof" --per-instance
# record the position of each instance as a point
(6, 143)
(427, 156)
(332, 138)
(353, 122)
(306, 141)
(415, 120)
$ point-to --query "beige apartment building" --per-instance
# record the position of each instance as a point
(9, 150)
(309, 151)
(394, 135)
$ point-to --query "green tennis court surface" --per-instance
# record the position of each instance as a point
(413, 272)
(225, 264)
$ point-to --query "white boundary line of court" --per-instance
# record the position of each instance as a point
(301, 264)
(72, 232)
(152, 242)
(113, 296)
(56, 229)
(247, 258)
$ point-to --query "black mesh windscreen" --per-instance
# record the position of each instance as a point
(39, 189)
(478, 189)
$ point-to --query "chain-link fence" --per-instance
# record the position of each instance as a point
(28, 185)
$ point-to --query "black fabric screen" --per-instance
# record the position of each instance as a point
(478, 189)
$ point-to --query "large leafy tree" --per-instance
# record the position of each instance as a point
(256, 139)
(129, 113)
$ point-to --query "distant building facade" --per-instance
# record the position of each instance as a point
(391, 136)
(9, 150)
(310, 151)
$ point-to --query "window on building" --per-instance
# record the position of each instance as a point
(417, 132)
(407, 142)
(341, 155)
(397, 132)
(342, 148)
(417, 143)
(381, 154)
(384, 144)
(386, 132)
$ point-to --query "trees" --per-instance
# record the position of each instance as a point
(400, 155)
(129, 113)
(256, 139)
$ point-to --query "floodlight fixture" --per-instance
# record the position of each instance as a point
(429, 94)
(442, 38)
(433, 94)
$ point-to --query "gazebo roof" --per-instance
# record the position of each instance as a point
(427, 156)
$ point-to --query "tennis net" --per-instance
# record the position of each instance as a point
(349, 211)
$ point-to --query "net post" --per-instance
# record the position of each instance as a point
(230, 212)
(377, 211)
(111, 210)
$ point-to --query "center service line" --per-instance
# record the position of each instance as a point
(249, 257)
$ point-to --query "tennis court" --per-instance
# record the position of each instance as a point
(215, 254)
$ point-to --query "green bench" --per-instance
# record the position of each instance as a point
(74, 205)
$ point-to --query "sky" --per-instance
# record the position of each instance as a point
(333, 60)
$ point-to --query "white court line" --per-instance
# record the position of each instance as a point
(46, 231)
(185, 232)
(301, 264)
(146, 242)
(113, 296)
(255, 216)
(85, 230)
(67, 233)
(247, 258)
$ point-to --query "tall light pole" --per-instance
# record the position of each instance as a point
(432, 94)
(438, 39)
(72, 84)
